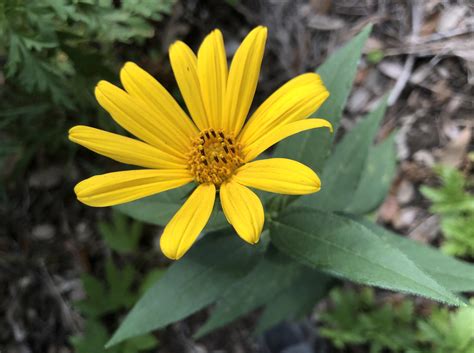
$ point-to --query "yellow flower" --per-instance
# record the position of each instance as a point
(213, 149)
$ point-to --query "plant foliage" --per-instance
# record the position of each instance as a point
(115, 294)
(455, 206)
(48, 42)
(356, 318)
(54, 52)
(446, 331)
(105, 299)
(121, 235)
(109, 297)
(309, 240)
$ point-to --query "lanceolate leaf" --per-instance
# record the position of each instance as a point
(273, 273)
(338, 73)
(159, 209)
(376, 179)
(451, 273)
(296, 300)
(343, 247)
(343, 170)
(190, 284)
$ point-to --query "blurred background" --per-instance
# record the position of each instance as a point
(69, 273)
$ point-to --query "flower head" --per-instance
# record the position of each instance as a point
(214, 148)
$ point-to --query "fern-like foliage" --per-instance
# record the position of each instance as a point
(455, 206)
(49, 44)
(355, 318)
(446, 331)
(121, 234)
(109, 298)
(54, 52)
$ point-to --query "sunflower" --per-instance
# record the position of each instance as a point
(214, 148)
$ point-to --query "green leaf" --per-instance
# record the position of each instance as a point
(272, 274)
(137, 344)
(338, 73)
(343, 170)
(376, 179)
(451, 197)
(455, 205)
(159, 209)
(93, 340)
(458, 231)
(151, 9)
(96, 302)
(190, 284)
(120, 294)
(345, 248)
(375, 56)
(150, 279)
(386, 328)
(446, 331)
(95, 336)
(103, 298)
(449, 272)
(121, 235)
(296, 300)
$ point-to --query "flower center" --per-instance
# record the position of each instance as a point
(214, 156)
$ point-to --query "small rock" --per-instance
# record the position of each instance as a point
(45, 178)
(454, 152)
(406, 217)
(358, 100)
(24, 282)
(197, 348)
(424, 157)
(405, 192)
(325, 23)
(391, 69)
(83, 231)
(43, 231)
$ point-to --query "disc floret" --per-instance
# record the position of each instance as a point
(214, 156)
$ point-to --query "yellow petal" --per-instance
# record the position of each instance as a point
(142, 85)
(184, 65)
(281, 132)
(185, 226)
(295, 100)
(135, 117)
(120, 187)
(124, 149)
(243, 209)
(243, 77)
(279, 175)
(212, 71)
